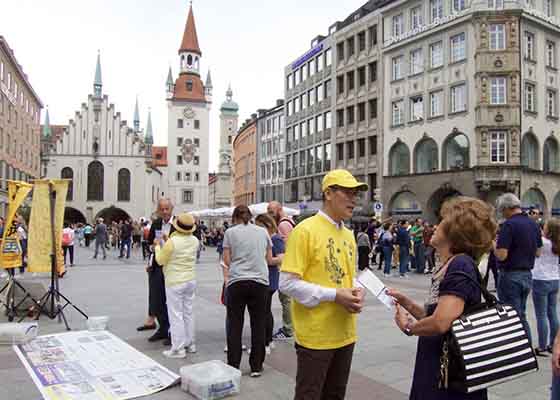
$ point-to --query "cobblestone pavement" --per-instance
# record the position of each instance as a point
(383, 360)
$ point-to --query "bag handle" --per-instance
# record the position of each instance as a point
(488, 297)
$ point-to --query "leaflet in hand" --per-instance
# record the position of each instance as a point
(374, 285)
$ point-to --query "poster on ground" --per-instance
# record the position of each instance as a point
(88, 365)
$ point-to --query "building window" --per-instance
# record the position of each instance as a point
(372, 108)
(436, 54)
(328, 57)
(397, 67)
(179, 160)
(339, 52)
(416, 61)
(350, 118)
(550, 54)
(289, 81)
(497, 4)
(327, 86)
(196, 176)
(361, 148)
(530, 98)
(196, 142)
(67, 173)
(196, 124)
(416, 17)
(398, 112)
(179, 123)
(498, 90)
(436, 10)
(548, 8)
(123, 190)
(455, 152)
(196, 160)
(498, 147)
(95, 181)
(179, 141)
(372, 142)
(551, 103)
(373, 35)
(436, 103)
(458, 48)
(340, 151)
(398, 25)
(327, 123)
(529, 46)
(350, 80)
(399, 159)
(361, 41)
(426, 156)
(187, 176)
(189, 86)
(458, 5)
(530, 151)
(362, 76)
(361, 112)
(458, 98)
(372, 71)
(417, 108)
(350, 150)
(497, 37)
(187, 196)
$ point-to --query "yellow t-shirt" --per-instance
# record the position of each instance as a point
(322, 254)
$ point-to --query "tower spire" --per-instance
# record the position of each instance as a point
(97, 82)
(190, 38)
(136, 117)
(47, 132)
(149, 138)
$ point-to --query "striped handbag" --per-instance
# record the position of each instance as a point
(486, 346)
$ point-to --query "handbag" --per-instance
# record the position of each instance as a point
(487, 345)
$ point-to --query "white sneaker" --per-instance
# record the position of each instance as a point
(255, 374)
(243, 348)
(175, 353)
(191, 348)
(267, 350)
(272, 345)
(225, 349)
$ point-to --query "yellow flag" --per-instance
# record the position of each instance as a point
(10, 257)
(39, 247)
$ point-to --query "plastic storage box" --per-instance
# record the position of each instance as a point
(18, 333)
(97, 323)
(210, 380)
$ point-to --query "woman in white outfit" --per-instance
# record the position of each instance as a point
(178, 258)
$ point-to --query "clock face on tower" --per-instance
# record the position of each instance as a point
(189, 113)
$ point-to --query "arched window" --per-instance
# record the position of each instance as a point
(426, 156)
(183, 61)
(550, 155)
(67, 173)
(533, 198)
(455, 153)
(399, 159)
(123, 192)
(405, 203)
(189, 60)
(556, 205)
(530, 151)
(95, 181)
(196, 63)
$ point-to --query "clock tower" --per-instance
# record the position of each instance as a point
(188, 103)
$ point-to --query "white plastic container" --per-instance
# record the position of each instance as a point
(97, 323)
(18, 333)
(210, 380)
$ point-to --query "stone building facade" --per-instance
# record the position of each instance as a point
(20, 110)
(245, 163)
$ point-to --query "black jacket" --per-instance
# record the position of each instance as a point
(157, 300)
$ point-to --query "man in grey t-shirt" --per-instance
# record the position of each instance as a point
(100, 238)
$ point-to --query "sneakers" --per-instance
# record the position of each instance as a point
(243, 348)
(191, 348)
(281, 335)
(272, 345)
(175, 353)
(267, 350)
(256, 374)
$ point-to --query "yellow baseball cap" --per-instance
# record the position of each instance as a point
(342, 178)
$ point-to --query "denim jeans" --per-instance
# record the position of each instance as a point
(545, 296)
(127, 243)
(387, 258)
(419, 256)
(404, 258)
(555, 387)
(513, 289)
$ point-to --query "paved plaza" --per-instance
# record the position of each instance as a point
(383, 359)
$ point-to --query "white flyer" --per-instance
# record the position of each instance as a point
(375, 286)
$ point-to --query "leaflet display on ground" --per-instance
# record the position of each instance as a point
(90, 366)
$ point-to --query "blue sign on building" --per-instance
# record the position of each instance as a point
(303, 59)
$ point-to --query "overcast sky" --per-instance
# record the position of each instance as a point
(245, 42)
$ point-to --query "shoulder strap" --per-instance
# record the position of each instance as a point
(488, 297)
(288, 220)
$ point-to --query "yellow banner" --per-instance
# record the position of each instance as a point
(10, 257)
(39, 247)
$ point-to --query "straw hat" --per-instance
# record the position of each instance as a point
(184, 223)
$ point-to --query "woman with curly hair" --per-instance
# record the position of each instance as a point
(465, 233)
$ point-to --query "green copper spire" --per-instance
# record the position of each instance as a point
(149, 138)
(47, 132)
(136, 120)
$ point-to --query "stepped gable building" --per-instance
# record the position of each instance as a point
(110, 164)
(189, 102)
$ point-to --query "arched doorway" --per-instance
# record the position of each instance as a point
(111, 214)
(436, 201)
(533, 198)
(74, 216)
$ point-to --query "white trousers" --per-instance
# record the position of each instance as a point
(180, 300)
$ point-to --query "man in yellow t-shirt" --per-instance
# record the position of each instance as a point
(317, 272)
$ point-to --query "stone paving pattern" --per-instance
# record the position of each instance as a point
(383, 359)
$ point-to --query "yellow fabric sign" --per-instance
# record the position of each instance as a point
(11, 249)
(40, 230)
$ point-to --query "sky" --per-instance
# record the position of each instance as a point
(246, 43)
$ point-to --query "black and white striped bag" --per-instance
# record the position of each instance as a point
(486, 346)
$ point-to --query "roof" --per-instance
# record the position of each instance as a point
(56, 133)
(10, 53)
(159, 156)
(181, 92)
(190, 38)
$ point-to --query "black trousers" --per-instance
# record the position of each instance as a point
(252, 295)
(69, 249)
(363, 257)
(322, 374)
(269, 318)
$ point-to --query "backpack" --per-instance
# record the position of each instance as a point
(66, 238)
(287, 220)
(146, 231)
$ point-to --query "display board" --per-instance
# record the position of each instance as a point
(88, 365)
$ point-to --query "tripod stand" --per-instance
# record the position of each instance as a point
(10, 302)
(52, 299)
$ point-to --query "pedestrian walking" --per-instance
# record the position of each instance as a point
(125, 239)
(178, 258)
(387, 241)
(546, 278)
(247, 254)
(403, 241)
(68, 237)
(317, 272)
(101, 238)
(417, 235)
(519, 243)
(364, 248)
(88, 231)
(285, 226)
(465, 233)
(430, 252)
(145, 243)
